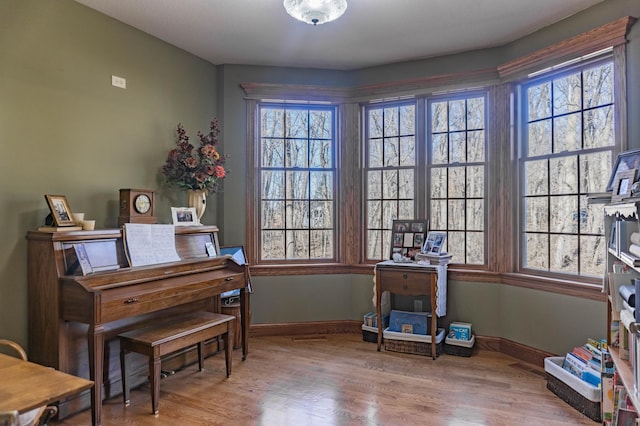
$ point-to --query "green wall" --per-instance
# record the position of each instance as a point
(66, 130)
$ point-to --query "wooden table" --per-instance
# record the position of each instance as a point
(25, 386)
(408, 279)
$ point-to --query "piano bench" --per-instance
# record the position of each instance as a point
(169, 336)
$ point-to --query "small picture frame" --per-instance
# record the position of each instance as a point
(624, 161)
(211, 250)
(184, 216)
(83, 259)
(60, 211)
(434, 243)
(622, 186)
(613, 236)
(407, 237)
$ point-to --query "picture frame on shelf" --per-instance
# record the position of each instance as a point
(184, 216)
(434, 243)
(622, 186)
(60, 211)
(407, 237)
(624, 161)
(613, 238)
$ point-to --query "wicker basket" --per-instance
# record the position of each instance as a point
(418, 345)
(459, 347)
(369, 334)
(588, 407)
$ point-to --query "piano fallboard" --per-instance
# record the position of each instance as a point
(91, 300)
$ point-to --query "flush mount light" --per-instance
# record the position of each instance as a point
(315, 12)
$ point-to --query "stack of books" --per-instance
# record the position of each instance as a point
(622, 409)
(589, 361)
(371, 320)
(434, 259)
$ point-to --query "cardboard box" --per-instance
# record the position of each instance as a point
(410, 322)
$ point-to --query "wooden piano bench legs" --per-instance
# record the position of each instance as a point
(166, 337)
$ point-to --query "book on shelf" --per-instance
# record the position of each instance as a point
(626, 417)
(634, 249)
(59, 228)
(599, 198)
(608, 408)
(629, 258)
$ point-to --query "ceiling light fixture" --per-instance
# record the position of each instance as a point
(314, 12)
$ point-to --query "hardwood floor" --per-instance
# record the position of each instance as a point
(341, 380)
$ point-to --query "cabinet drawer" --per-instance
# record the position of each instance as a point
(405, 282)
(149, 297)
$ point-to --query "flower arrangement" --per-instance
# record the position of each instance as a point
(201, 167)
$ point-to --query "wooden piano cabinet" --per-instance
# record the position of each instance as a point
(74, 319)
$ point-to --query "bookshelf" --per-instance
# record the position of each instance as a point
(620, 221)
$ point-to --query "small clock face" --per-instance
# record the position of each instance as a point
(142, 203)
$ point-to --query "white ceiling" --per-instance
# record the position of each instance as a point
(370, 33)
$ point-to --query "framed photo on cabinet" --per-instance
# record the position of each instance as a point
(625, 161)
(622, 186)
(407, 237)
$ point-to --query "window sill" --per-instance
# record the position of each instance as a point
(535, 282)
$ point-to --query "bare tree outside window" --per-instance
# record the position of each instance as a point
(390, 173)
(456, 178)
(297, 181)
(568, 142)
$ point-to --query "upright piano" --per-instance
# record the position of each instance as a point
(74, 319)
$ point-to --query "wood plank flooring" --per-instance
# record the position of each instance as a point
(341, 380)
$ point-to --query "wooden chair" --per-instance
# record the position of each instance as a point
(9, 418)
(36, 417)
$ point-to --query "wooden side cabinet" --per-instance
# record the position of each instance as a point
(408, 279)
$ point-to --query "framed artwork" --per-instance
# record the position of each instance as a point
(407, 237)
(622, 186)
(60, 211)
(625, 161)
(83, 259)
(434, 243)
(184, 216)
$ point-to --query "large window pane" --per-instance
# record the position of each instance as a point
(297, 182)
(568, 147)
(390, 184)
(457, 148)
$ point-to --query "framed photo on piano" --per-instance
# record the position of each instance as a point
(60, 211)
(184, 216)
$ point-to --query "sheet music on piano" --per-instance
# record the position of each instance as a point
(149, 244)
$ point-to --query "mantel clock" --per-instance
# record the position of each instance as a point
(137, 206)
